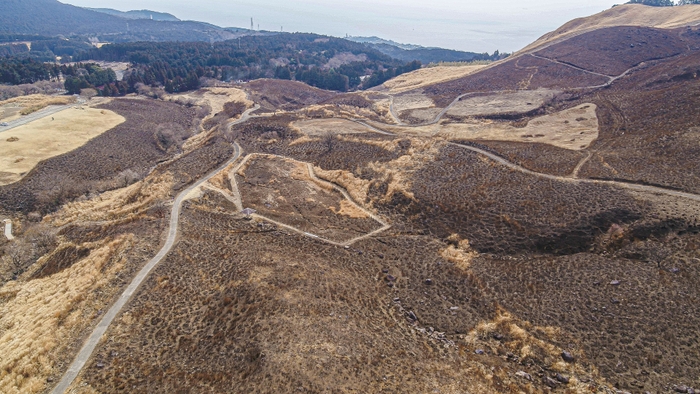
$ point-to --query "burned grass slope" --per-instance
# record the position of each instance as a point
(642, 334)
(505, 211)
(245, 305)
(649, 128)
(612, 51)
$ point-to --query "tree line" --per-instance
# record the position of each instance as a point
(24, 70)
(323, 62)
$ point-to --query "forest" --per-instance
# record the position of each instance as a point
(323, 62)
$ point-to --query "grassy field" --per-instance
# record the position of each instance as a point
(22, 148)
(429, 76)
(24, 105)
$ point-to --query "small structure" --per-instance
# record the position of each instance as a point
(247, 212)
(8, 229)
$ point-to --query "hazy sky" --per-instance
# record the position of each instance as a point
(479, 26)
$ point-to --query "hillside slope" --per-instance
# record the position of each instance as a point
(138, 14)
(622, 15)
(50, 17)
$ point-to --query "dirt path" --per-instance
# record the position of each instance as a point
(236, 199)
(574, 174)
(624, 185)
(92, 342)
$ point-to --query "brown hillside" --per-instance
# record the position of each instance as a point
(622, 15)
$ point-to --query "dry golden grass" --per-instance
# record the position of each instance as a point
(216, 98)
(400, 173)
(622, 15)
(349, 209)
(357, 188)
(39, 318)
(63, 100)
(575, 129)
(46, 138)
(316, 127)
(428, 76)
(121, 204)
(461, 255)
(532, 342)
(14, 108)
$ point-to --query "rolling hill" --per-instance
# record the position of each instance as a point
(138, 14)
(409, 53)
(50, 17)
(532, 226)
(623, 15)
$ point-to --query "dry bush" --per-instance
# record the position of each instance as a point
(45, 103)
(120, 204)
(170, 136)
(88, 93)
(41, 87)
(40, 318)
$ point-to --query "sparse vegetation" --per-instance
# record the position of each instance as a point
(498, 274)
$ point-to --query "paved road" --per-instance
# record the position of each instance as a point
(48, 111)
(89, 346)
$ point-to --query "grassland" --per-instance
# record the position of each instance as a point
(429, 76)
(14, 108)
(22, 148)
(490, 279)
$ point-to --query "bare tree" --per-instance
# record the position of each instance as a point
(329, 141)
(17, 254)
(170, 135)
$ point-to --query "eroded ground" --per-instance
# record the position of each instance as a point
(286, 191)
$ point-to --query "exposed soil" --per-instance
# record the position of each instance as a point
(283, 190)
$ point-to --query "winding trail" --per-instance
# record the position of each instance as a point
(237, 201)
(579, 166)
(438, 118)
(92, 342)
(624, 185)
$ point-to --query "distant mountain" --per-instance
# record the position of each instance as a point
(50, 17)
(377, 40)
(138, 14)
(409, 52)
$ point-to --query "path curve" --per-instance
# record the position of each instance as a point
(438, 118)
(94, 339)
(624, 185)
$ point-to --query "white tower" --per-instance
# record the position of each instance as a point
(8, 229)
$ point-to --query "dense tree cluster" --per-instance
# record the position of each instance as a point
(82, 76)
(323, 62)
(18, 70)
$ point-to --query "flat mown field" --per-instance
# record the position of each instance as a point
(22, 148)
